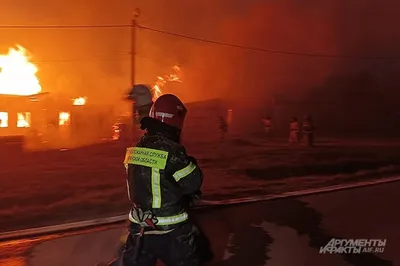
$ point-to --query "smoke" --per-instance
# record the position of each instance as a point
(214, 70)
(96, 62)
(314, 27)
(256, 76)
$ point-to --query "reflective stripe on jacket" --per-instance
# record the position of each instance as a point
(159, 174)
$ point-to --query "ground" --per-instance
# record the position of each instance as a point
(64, 186)
(282, 232)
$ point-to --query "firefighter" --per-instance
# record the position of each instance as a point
(267, 125)
(229, 117)
(142, 101)
(162, 182)
(294, 131)
(308, 131)
(223, 127)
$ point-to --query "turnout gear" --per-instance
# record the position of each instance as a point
(160, 173)
(193, 199)
(307, 125)
(229, 117)
(294, 131)
(308, 131)
(267, 125)
(143, 219)
(163, 181)
(176, 248)
(223, 127)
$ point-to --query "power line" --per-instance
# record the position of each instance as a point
(23, 27)
(80, 60)
(107, 57)
(265, 50)
(99, 59)
(317, 55)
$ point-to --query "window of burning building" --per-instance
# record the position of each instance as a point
(3, 119)
(23, 119)
(64, 118)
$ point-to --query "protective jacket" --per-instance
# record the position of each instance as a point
(267, 122)
(160, 175)
(294, 126)
(307, 127)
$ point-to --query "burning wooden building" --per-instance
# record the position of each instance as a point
(45, 118)
(48, 122)
(16, 114)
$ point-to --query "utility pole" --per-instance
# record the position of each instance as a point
(136, 14)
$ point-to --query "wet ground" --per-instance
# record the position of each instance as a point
(284, 232)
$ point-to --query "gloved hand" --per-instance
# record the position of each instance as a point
(144, 219)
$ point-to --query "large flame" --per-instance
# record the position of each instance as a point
(64, 118)
(162, 81)
(17, 74)
(3, 119)
(79, 101)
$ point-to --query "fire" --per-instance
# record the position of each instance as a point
(162, 81)
(79, 101)
(63, 118)
(116, 131)
(13, 261)
(18, 74)
(3, 119)
(23, 119)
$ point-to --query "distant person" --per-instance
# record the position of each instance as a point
(308, 131)
(224, 123)
(223, 127)
(267, 126)
(294, 131)
(229, 117)
(163, 182)
(142, 101)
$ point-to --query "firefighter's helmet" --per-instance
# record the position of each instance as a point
(141, 95)
(170, 110)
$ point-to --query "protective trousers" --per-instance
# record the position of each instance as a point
(293, 136)
(176, 248)
(267, 130)
(309, 137)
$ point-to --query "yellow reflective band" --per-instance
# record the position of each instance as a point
(146, 157)
(127, 187)
(126, 168)
(184, 172)
(167, 220)
(155, 187)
